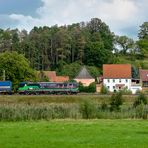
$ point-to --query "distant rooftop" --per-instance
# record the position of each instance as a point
(84, 74)
(144, 74)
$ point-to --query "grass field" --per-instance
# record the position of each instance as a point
(17, 99)
(75, 134)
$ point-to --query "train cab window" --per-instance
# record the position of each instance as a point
(34, 85)
(75, 85)
(22, 84)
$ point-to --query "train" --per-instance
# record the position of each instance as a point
(5, 87)
(38, 88)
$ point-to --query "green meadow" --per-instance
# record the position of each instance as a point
(75, 134)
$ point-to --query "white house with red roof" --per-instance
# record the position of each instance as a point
(119, 76)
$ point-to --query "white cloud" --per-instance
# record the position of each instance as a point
(118, 14)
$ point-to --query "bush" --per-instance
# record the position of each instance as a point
(89, 89)
(104, 106)
(88, 109)
(141, 99)
(116, 101)
(126, 91)
(92, 87)
(104, 90)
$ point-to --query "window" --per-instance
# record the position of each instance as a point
(113, 80)
(119, 80)
(108, 80)
(113, 87)
(108, 87)
(126, 80)
(145, 84)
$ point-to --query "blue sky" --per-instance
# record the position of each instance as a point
(123, 16)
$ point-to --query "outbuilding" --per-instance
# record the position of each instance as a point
(84, 77)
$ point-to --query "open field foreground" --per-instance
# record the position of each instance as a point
(75, 134)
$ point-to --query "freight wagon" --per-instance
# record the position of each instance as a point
(36, 88)
(5, 87)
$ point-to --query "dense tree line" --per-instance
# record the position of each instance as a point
(50, 47)
(86, 43)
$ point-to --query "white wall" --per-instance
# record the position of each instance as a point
(112, 83)
(135, 88)
(85, 82)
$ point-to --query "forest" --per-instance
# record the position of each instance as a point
(66, 48)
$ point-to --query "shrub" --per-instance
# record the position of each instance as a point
(126, 91)
(141, 99)
(138, 92)
(116, 101)
(88, 109)
(141, 111)
(104, 90)
(90, 89)
(104, 106)
(82, 88)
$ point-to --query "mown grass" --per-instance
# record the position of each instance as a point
(75, 134)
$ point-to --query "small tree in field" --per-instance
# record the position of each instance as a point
(116, 101)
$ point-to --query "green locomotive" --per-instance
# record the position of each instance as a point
(36, 88)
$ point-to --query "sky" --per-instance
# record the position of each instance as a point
(122, 16)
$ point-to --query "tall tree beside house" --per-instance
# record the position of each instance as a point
(143, 39)
(124, 43)
(143, 32)
(96, 54)
(96, 25)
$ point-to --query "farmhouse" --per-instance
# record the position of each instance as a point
(84, 77)
(119, 76)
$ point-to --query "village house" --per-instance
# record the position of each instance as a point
(84, 77)
(144, 79)
(119, 76)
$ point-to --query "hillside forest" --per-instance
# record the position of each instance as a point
(66, 48)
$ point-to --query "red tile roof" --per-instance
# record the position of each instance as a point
(143, 74)
(114, 71)
(54, 78)
(61, 79)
